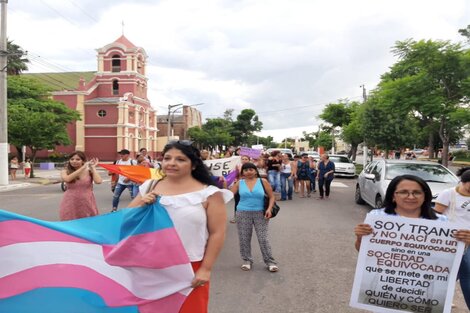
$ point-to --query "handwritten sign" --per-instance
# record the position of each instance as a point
(407, 265)
(221, 167)
(252, 153)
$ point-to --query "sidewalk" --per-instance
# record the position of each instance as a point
(42, 177)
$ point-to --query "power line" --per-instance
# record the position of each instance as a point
(58, 13)
(85, 12)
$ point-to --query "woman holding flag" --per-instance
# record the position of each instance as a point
(197, 209)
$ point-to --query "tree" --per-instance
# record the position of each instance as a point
(465, 32)
(34, 120)
(214, 134)
(345, 114)
(385, 126)
(324, 139)
(16, 62)
(431, 81)
(246, 124)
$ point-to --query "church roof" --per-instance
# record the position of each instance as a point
(123, 40)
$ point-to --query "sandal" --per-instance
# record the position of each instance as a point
(273, 268)
(246, 266)
(233, 221)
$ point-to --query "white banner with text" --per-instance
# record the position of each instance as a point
(407, 265)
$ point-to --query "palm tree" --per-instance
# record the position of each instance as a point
(16, 60)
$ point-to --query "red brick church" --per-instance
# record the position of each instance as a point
(113, 103)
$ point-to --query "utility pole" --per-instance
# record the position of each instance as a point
(3, 95)
(364, 148)
(177, 107)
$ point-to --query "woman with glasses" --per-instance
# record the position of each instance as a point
(407, 196)
(197, 209)
(455, 204)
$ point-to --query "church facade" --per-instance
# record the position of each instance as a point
(115, 111)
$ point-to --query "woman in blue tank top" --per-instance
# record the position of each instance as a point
(250, 213)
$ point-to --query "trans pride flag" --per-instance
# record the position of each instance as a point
(128, 261)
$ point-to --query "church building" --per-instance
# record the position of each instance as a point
(115, 111)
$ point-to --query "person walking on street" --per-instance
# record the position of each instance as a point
(197, 209)
(288, 170)
(27, 167)
(455, 204)
(14, 165)
(303, 175)
(274, 165)
(325, 175)
(79, 200)
(250, 213)
(123, 182)
(312, 173)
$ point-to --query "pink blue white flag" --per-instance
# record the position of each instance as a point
(124, 262)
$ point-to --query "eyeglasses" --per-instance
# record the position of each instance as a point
(407, 193)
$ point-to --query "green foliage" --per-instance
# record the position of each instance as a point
(16, 62)
(337, 114)
(246, 124)
(325, 140)
(34, 120)
(429, 84)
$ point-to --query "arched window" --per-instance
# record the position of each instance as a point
(116, 63)
(115, 87)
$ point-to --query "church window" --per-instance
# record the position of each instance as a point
(116, 63)
(101, 113)
(115, 87)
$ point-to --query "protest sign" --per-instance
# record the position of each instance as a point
(407, 265)
(222, 167)
(252, 153)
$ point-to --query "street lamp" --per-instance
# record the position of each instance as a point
(176, 107)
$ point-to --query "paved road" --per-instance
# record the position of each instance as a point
(311, 239)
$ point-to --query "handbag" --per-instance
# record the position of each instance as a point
(275, 208)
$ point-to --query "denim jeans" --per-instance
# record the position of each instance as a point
(274, 179)
(286, 182)
(312, 176)
(324, 182)
(118, 191)
(464, 277)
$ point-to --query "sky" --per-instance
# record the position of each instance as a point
(284, 59)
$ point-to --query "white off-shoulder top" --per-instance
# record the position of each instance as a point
(189, 217)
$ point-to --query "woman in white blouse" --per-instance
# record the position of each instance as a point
(197, 209)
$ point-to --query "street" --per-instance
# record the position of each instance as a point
(312, 241)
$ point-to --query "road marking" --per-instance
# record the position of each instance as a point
(341, 185)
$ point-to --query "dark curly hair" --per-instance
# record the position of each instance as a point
(200, 171)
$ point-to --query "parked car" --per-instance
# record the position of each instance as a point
(343, 165)
(373, 181)
(418, 151)
(313, 154)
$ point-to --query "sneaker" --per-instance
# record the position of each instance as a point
(113, 210)
(319, 198)
(273, 268)
(233, 221)
(246, 266)
(290, 198)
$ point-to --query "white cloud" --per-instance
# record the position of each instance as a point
(284, 59)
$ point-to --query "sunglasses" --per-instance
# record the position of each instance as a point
(181, 142)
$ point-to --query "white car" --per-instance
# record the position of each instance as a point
(313, 154)
(374, 179)
(343, 165)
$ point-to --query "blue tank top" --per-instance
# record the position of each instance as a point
(251, 200)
